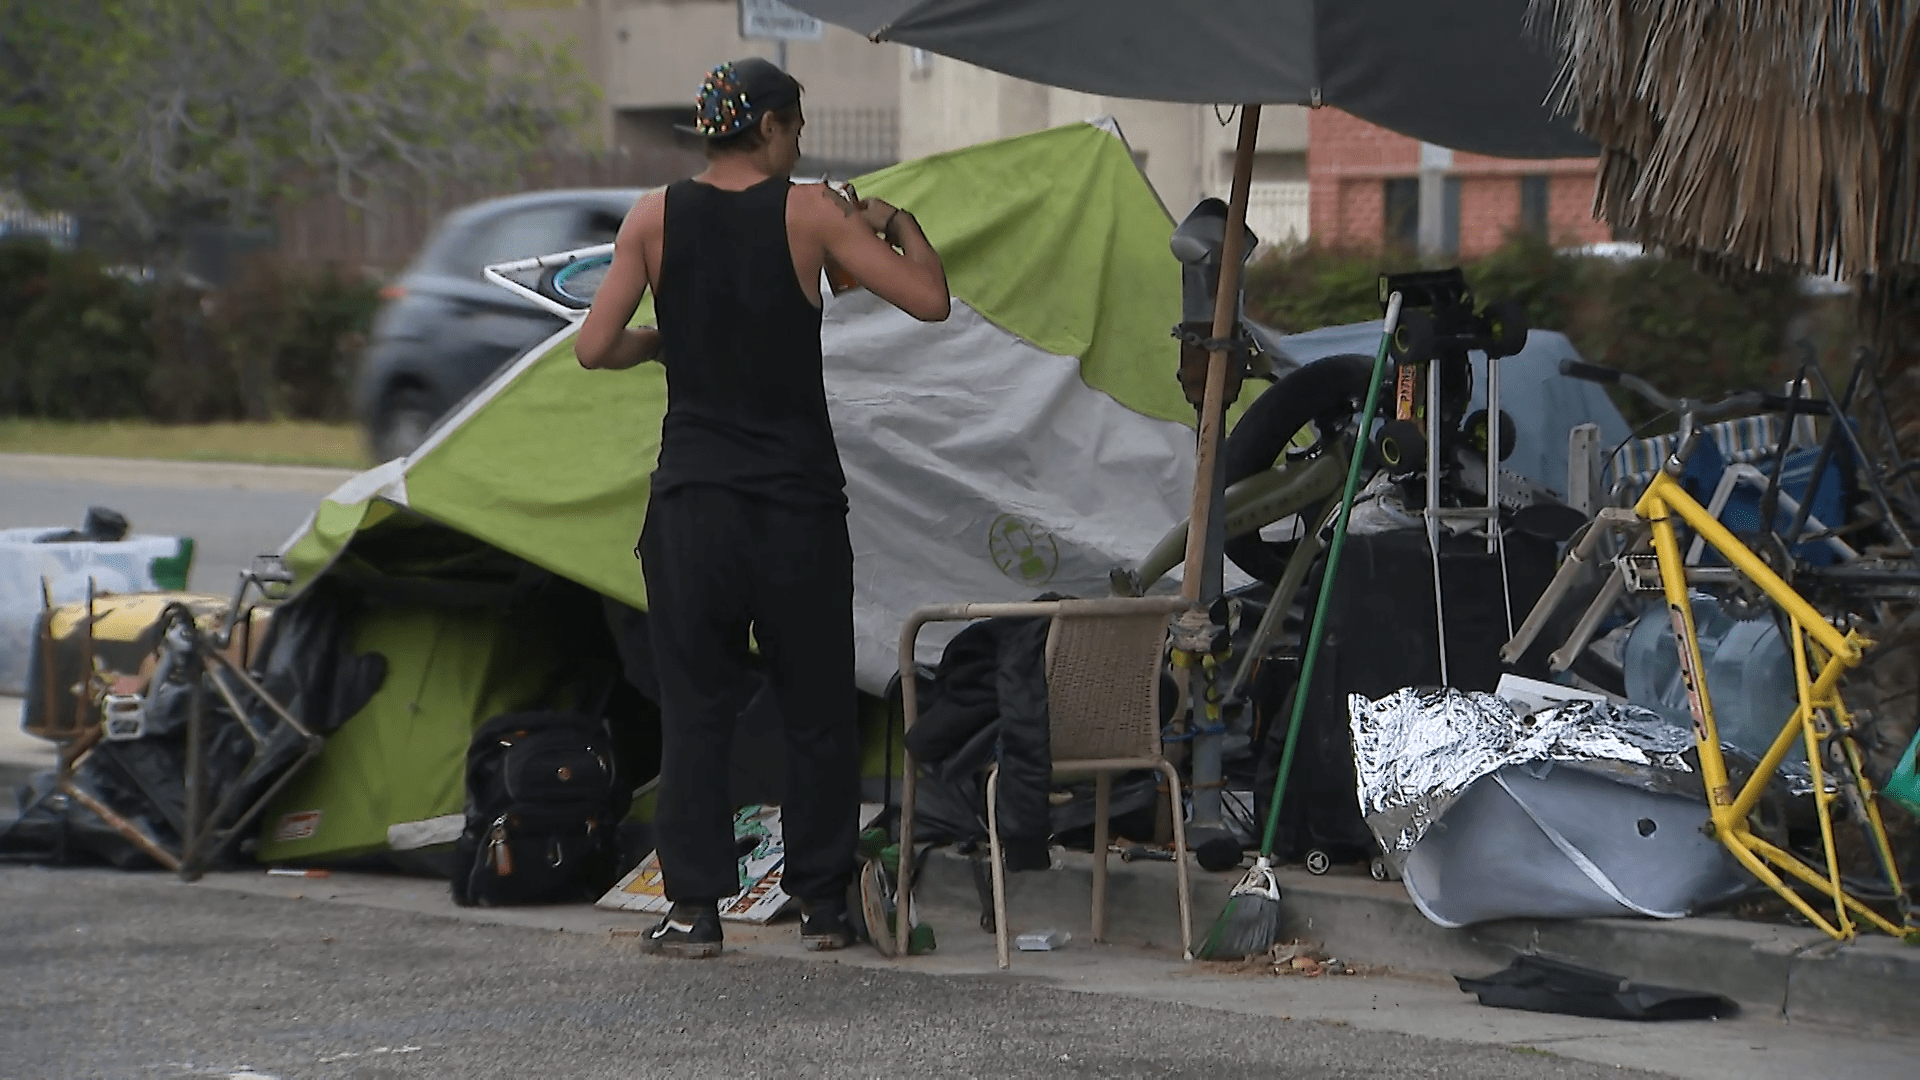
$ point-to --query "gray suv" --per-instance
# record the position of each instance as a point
(444, 329)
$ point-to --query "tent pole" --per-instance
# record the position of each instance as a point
(1200, 581)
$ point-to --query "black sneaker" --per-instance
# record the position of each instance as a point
(689, 932)
(824, 927)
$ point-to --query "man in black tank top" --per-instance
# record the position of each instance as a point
(746, 528)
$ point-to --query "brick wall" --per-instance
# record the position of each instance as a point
(1348, 161)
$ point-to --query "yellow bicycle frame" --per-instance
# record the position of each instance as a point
(1819, 719)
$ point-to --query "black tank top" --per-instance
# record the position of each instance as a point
(746, 408)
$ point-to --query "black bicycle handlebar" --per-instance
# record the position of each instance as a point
(1594, 373)
(1738, 399)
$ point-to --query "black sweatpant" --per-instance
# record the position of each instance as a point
(718, 563)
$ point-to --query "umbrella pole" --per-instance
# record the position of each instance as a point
(1213, 406)
(1200, 580)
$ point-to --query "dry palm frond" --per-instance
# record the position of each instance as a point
(1769, 134)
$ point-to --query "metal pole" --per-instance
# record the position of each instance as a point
(1434, 163)
(1433, 504)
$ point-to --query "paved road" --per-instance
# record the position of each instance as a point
(148, 978)
(232, 512)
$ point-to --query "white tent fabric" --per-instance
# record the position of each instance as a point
(982, 468)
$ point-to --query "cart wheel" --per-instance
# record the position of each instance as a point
(1401, 445)
(1413, 339)
(1476, 430)
(1318, 862)
(1381, 871)
(1507, 326)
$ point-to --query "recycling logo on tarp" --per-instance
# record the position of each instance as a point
(1023, 551)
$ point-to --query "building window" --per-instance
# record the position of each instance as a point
(1402, 213)
(1401, 201)
(1533, 205)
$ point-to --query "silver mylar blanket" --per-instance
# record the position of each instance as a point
(1582, 810)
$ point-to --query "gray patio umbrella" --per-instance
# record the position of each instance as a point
(1465, 74)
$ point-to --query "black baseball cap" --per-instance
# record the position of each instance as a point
(735, 95)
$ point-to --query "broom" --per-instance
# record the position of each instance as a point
(1250, 923)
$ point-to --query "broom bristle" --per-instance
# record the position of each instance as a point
(1250, 923)
(1248, 926)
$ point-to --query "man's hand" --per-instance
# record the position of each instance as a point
(910, 279)
(876, 213)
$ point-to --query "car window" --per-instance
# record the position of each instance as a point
(540, 230)
(601, 227)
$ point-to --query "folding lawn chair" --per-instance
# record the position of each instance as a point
(1103, 665)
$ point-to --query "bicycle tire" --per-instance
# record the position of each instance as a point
(1326, 389)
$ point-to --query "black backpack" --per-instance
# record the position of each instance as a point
(544, 805)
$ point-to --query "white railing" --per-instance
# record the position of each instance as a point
(1277, 214)
(854, 136)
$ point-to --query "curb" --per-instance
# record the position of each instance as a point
(1786, 972)
(306, 479)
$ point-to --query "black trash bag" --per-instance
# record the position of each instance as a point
(1540, 984)
(54, 828)
(304, 663)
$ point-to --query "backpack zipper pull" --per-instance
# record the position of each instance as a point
(498, 853)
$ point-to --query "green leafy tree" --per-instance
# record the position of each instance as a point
(151, 118)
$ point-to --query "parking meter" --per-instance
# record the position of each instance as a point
(1198, 243)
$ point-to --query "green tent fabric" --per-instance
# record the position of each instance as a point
(402, 758)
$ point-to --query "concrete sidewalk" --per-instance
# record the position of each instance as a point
(1415, 997)
(21, 755)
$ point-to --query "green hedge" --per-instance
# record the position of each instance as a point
(79, 342)
(1684, 330)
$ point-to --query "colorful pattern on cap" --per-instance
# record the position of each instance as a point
(722, 108)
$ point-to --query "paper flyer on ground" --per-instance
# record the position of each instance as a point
(760, 897)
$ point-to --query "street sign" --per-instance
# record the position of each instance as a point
(775, 21)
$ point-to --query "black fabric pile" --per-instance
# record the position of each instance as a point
(304, 663)
(988, 701)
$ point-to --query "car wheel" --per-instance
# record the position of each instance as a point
(404, 421)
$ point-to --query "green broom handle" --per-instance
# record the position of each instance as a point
(1326, 580)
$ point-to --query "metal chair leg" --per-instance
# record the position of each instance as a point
(903, 883)
(1180, 860)
(1102, 801)
(1000, 950)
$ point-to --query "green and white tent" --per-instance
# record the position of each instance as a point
(1033, 442)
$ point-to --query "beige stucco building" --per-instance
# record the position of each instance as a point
(870, 104)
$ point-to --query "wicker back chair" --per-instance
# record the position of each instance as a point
(1103, 702)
